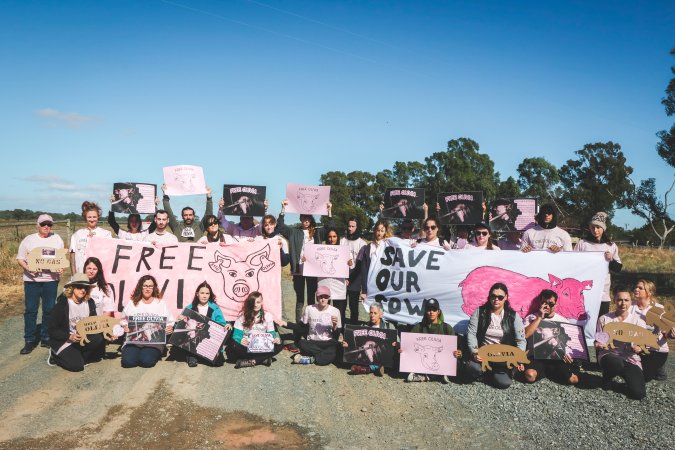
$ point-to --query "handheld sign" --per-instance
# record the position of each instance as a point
(657, 317)
(501, 353)
(554, 340)
(512, 214)
(428, 353)
(198, 335)
(461, 208)
(134, 198)
(368, 345)
(184, 180)
(304, 199)
(47, 258)
(244, 200)
(260, 342)
(631, 334)
(109, 326)
(145, 329)
(326, 261)
(403, 203)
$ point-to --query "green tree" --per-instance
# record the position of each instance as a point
(538, 178)
(597, 180)
(508, 188)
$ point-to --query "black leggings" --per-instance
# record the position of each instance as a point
(613, 365)
(354, 298)
(324, 352)
(299, 287)
(237, 351)
(341, 305)
(654, 365)
(75, 356)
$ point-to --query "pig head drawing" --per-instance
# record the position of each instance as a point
(428, 355)
(307, 200)
(241, 277)
(523, 290)
(186, 181)
(326, 262)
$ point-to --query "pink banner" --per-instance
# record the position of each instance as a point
(184, 180)
(326, 261)
(428, 353)
(304, 199)
(233, 271)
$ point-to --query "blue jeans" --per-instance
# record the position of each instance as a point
(33, 292)
(138, 355)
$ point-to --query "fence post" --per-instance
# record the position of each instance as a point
(68, 228)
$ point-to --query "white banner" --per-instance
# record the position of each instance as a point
(401, 277)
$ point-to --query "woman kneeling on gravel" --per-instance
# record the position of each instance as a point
(253, 320)
(321, 325)
(432, 323)
(494, 322)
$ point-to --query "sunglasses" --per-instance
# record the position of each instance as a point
(551, 304)
(497, 297)
(46, 224)
(482, 233)
(430, 227)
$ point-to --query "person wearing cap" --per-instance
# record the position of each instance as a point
(546, 235)
(432, 322)
(596, 240)
(91, 213)
(39, 285)
(321, 325)
(494, 322)
(64, 341)
(190, 229)
(482, 238)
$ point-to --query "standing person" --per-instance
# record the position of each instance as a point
(246, 228)
(269, 231)
(624, 358)
(546, 235)
(513, 241)
(336, 286)
(40, 285)
(654, 363)
(355, 242)
(213, 232)
(495, 322)
(99, 290)
(381, 232)
(376, 320)
(482, 238)
(462, 238)
(430, 228)
(253, 319)
(432, 322)
(597, 241)
(134, 231)
(321, 326)
(145, 300)
(297, 238)
(564, 370)
(190, 229)
(161, 235)
(64, 341)
(407, 231)
(91, 213)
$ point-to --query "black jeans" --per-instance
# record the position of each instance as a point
(654, 365)
(354, 305)
(237, 351)
(324, 352)
(613, 365)
(299, 287)
(75, 356)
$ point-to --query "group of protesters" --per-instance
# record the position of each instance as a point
(321, 303)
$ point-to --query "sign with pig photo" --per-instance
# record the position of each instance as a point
(428, 353)
(369, 346)
(401, 277)
(243, 200)
(554, 340)
(403, 203)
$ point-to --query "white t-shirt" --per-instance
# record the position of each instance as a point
(660, 338)
(129, 236)
(354, 247)
(33, 241)
(494, 332)
(165, 238)
(104, 303)
(320, 322)
(556, 318)
(203, 309)
(76, 312)
(274, 242)
(306, 240)
(78, 244)
(156, 307)
(585, 246)
(540, 238)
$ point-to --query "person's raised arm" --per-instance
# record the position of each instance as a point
(173, 223)
(209, 206)
(113, 223)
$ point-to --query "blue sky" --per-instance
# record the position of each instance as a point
(267, 92)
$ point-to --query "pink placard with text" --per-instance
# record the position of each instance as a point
(428, 353)
(184, 180)
(326, 261)
(304, 199)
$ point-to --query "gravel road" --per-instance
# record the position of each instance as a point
(289, 406)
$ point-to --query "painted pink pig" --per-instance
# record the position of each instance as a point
(523, 290)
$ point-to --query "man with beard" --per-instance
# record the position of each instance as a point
(161, 235)
(355, 242)
(546, 235)
(189, 230)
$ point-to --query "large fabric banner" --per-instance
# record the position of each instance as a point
(233, 271)
(401, 277)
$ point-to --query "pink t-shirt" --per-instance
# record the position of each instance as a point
(494, 332)
(660, 338)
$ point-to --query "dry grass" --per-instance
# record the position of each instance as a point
(636, 259)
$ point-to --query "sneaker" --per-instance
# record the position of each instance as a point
(299, 359)
(267, 362)
(44, 344)
(241, 363)
(415, 377)
(445, 379)
(51, 362)
(192, 361)
(379, 372)
(292, 348)
(29, 347)
(359, 370)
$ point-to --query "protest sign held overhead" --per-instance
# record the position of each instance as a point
(461, 208)
(244, 200)
(403, 203)
(305, 199)
(184, 180)
(134, 198)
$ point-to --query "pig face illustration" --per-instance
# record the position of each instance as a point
(428, 355)
(241, 277)
(307, 200)
(326, 261)
(186, 181)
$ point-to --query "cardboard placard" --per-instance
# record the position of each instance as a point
(260, 342)
(501, 353)
(657, 317)
(461, 208)
(184, 180)
(198, 335)
(516, 214)
(631, 334)
(47, 259)
(326, 261)
(134, 198)
(403, 203)
(145, 329)
(109, 326)
(304, 199)
(554, 340)
(428, 353)
(367, 345)
(244, 200)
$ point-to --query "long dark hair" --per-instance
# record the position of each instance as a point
(209, 220)
(137, 293)
(99, 280)
(333, 229)
(502, 286)
(312, 224)
(140, 222)
(249, 309)
(195, 300)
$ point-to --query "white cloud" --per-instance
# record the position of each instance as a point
(70, 119)
(45, 179)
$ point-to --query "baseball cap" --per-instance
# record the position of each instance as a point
(44, 218)
(322, 290)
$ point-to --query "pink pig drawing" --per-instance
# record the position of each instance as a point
(523, 290)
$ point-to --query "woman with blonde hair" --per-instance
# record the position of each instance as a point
(91, 213)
